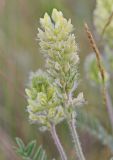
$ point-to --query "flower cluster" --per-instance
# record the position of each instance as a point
(51, 95)
(101, 14)
(60, 49)
(43, 102)
(58, 44)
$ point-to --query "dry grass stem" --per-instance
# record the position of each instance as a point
(102, 73)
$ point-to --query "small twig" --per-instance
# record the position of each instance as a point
(102, 73)
(107, 24)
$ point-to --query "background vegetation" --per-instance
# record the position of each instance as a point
(20, 54)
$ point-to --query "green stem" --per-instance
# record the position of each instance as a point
(76, 141)
(57, 143)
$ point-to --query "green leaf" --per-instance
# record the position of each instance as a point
(20, 143)
(30, 147)
(29, 152)
(38, 153)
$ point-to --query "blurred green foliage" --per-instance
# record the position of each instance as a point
(19, 54)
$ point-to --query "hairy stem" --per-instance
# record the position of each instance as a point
(57, 143)
(76, 141)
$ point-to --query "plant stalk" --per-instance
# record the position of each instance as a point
(76, 141)
(106, 96)
(109, 107)
(58, 143)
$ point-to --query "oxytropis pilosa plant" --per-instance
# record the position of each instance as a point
(51, 93)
